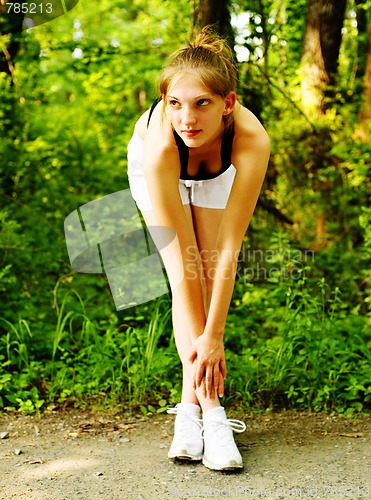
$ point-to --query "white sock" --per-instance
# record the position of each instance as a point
(190, 409)
(217, 413)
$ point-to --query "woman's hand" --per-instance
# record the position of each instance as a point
(207, 356)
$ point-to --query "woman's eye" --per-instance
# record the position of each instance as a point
(203, 102)
(173, 103)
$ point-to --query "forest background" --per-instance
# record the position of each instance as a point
(298, 333)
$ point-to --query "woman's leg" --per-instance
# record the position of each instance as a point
(217, 449)
(220, 451)
(205, 224)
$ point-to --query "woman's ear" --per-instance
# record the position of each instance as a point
(230, 101)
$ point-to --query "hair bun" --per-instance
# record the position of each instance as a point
(207, 38)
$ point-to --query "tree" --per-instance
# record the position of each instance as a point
(320, 54)
(362, 38)
(11, 119)
(215, 13)
(11, 25)
(365, 114)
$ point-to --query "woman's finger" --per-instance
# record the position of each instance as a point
(202, 387)
(199, 373)
(221, 387)
(195, 374)
(223, 368)
(193, 356)
(216, 378)
(209, 381)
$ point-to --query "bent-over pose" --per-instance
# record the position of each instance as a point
(196, 164)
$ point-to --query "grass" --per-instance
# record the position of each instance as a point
(289, 345)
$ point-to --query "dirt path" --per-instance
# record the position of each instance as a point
(90, 456)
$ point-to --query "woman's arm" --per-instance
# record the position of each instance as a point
(250, 156)
(162, 168)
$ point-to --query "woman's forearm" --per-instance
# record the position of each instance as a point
(189, 291)
(225, 273)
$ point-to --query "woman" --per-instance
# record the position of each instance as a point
(197, 161)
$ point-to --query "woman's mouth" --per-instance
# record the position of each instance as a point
(190, 133)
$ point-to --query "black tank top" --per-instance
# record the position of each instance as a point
(225, 153)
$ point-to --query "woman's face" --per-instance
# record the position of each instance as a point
(195, 112)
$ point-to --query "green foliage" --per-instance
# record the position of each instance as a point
(298, 331)
(114, 361)
(18, 373)
(312, 352)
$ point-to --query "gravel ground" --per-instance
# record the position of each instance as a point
(86, 455)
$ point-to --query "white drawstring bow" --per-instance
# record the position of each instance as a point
(189, 183)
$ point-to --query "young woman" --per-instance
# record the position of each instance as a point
(196, 164)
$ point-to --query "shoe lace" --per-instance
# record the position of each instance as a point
(235, 425)
(232, 423)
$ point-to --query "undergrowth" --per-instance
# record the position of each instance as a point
(289, 344)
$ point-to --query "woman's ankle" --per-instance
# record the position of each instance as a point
(208, 405)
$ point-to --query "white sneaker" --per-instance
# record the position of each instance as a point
(220, 450)
(187, 442)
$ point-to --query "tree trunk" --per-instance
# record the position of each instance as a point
(211, 12)
(215, 13)
(332, 20)
(365, 114)
(313, 72)
(320, 55)
(9, 24)
(11, 117)
(362, 38)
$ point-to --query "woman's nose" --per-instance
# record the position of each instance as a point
(189, 116)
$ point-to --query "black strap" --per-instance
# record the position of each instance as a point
(152, 109)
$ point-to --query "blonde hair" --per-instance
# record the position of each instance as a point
(208, 57)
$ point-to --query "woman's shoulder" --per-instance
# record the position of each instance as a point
(248, 128)
(153, 126)
(251, 144)
(141, 125)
